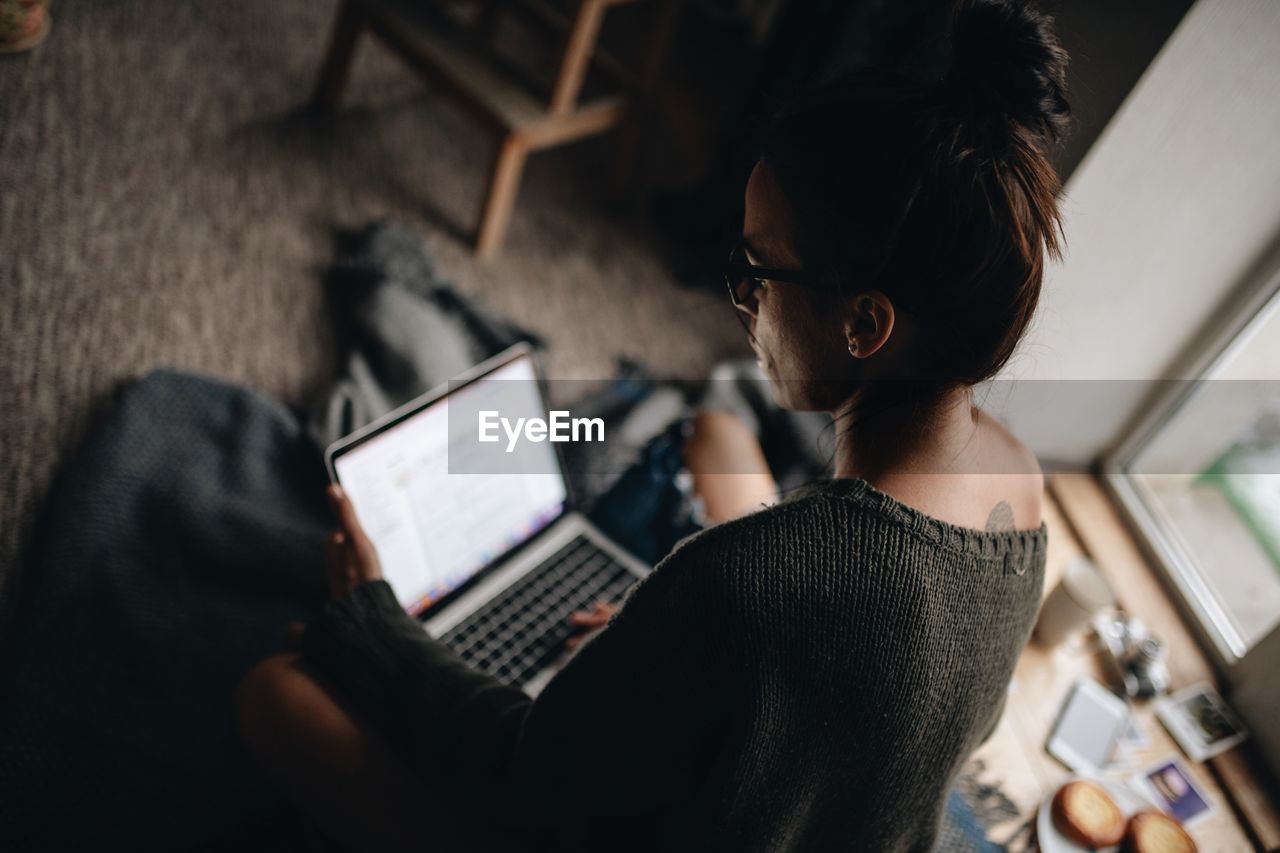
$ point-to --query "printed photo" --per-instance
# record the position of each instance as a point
(1175, 791)
(1200, 722)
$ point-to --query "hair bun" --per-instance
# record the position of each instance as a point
(1007, 66)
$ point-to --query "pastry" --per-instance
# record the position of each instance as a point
(1084, 813)
(1154, 832)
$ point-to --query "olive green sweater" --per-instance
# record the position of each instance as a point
(809, 677)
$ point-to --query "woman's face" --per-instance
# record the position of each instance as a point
(801, 336)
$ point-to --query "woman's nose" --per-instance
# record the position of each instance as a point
(748, 317)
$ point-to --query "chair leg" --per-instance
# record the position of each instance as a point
(643, 110)
(503, 185)
(580, 43)
(337, 62)
(485, 25)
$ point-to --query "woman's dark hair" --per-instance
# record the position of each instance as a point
(938, 193)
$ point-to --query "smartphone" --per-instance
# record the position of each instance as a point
(1088, 727)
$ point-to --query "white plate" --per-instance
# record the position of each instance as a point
(1053, 841)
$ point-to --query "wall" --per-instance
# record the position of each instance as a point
(1111, 44)
(1171, 207)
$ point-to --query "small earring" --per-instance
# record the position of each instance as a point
(853, 350)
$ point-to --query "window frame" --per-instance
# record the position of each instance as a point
(1228, 331)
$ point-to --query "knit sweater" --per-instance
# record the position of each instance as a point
(809, 677)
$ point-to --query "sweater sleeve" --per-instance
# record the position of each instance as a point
(454, 725)
(630, 721)
(615, 732)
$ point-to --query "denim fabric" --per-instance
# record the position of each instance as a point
(652, 507)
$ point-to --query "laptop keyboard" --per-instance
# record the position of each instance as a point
(523, 630)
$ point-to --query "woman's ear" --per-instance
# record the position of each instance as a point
(868, 323)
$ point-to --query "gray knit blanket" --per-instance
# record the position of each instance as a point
(173, 547)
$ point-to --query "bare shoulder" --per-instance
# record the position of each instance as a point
(996, 484)
(1016, 457)
(1016, 477)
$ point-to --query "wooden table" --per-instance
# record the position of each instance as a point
(1015, 759)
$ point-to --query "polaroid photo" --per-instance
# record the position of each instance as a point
(1171, 785)
(1200, 721)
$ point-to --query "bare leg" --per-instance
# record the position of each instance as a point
(344, 777)
(729, 469)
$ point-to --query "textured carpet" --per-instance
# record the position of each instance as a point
(164, 203)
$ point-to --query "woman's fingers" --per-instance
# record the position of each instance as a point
(593, 620)
(365, 562)
(337, 560)
(342, 508)
(600, 613)
(346, 513)
(363, 556)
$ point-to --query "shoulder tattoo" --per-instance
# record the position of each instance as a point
(1001, 518)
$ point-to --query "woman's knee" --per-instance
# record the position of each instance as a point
(342, 775)
(729, 470)
(289, 720)
(271, 702)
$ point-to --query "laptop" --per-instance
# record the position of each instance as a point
(479, 540)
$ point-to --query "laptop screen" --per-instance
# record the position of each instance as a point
(435, 527)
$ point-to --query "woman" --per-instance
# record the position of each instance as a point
(810, 675)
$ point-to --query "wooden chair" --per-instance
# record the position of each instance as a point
(455, 53)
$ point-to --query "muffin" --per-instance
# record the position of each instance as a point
(1084, 813)
(1154, 832)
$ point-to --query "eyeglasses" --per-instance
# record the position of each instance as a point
(744, 278)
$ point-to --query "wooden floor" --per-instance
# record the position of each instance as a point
(1081, 520)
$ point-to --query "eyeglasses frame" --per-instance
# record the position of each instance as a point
(736, 270)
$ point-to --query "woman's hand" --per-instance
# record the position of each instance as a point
(351, 557)
(592, 620)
